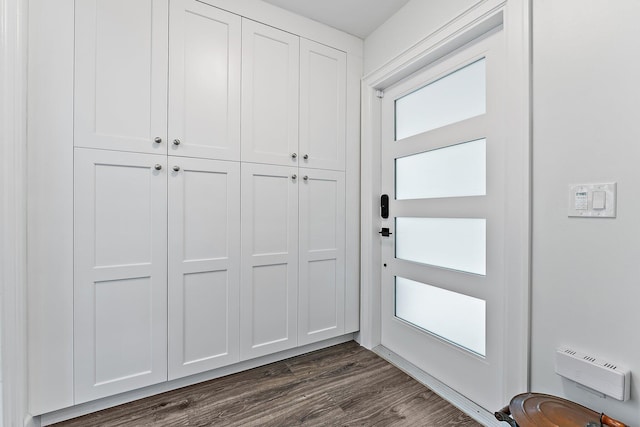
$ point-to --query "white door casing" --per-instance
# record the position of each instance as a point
(121, 60)
(204, 264)
(120, 269)
(204, 81)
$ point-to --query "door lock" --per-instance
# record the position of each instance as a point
(384, 206)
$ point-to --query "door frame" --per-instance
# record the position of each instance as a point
(13, 201)
(514, 17)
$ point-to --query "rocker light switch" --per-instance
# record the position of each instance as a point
(599, 200)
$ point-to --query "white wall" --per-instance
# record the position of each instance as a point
(417, 20)
(586, 272)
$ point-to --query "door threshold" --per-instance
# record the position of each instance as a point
(467, 406)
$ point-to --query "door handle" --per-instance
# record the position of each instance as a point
(385, 232)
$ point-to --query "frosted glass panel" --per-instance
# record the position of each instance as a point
(455, 317)
(455, 97)
(454, 171)
(455, 243)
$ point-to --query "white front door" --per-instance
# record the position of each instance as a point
(443, 168)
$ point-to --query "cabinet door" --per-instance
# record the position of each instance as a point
(204, 264)
(322, 255)
(323, 98)
(120, 262)
(270, 77)
(269, 290)
(204, 81)
(121, 74)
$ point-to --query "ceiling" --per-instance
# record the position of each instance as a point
(357, 17)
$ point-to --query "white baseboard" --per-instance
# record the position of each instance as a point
(111, 401)
(475, 411)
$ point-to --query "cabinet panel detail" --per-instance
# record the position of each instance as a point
(270, 291)
(206, 315)
(124, 329)
(322, 311)
(205, 196)
(271, 226)
(122, 212)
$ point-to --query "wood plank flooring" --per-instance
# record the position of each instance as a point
(344, 385)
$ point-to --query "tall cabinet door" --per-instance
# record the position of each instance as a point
(120, 263)
(322, 255)
(323, 99)
(269, 290)
(270, 78)
(204, 264)
(121, 74)
(204, 81)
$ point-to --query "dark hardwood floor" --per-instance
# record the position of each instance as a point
(344, 385)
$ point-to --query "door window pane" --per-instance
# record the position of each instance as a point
(454, 171)
(455, 243)
(453, 98)
(455, 317)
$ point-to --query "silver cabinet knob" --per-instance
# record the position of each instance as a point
(294, 155)
(294, 177)
(176, 142)
(176, 168)
(306, 178)
(158, 166)
(306, 157)
(157, 140)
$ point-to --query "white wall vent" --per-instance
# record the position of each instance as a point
(589, 371)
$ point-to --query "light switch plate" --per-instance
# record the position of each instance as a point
(581, 200)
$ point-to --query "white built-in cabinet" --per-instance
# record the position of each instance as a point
(209, 192)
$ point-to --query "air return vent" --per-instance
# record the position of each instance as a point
(589, 371)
